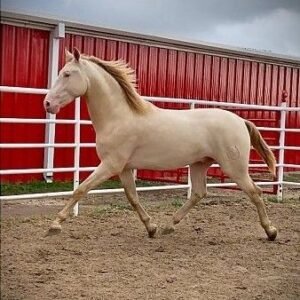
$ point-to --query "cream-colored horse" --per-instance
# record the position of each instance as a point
(131, 133)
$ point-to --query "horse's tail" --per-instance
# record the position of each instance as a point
(261, 147)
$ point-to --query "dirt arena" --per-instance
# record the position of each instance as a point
(219, 251)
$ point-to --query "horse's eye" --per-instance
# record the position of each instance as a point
(67, 74)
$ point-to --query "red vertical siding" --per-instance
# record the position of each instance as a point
(142, 70)
(293, 119)
(152, 71)
(180, 77)
(246, 82)
(238, 92)
(100, 48)
(123, 51)
(171, 74)
(215, 78)
(160, 72)
(24, 63)
(207, 77)
(189, 75)
(223, 79)
(231, 80)
(198, 78)
(111, 50)
(133, 56)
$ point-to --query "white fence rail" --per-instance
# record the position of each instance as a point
(76, 169)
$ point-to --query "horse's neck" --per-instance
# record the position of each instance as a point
(105, 100)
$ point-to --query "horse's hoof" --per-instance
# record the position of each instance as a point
(272, 233)
(167, 230)
(152, 230)
(54, 229)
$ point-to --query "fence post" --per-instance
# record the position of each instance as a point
(189, 193)
(281, 149)
(55, 36)
(76, 152)
(135, 174)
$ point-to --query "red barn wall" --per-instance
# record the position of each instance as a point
(161, 71)
(24, 63)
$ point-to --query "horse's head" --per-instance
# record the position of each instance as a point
(71, 83)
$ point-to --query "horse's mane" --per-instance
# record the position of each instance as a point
(126, 78)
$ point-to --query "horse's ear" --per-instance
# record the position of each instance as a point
(76, 54)
(68, 55)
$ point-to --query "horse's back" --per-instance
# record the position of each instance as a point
(216, 121)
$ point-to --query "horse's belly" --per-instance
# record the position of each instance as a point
(164, 159)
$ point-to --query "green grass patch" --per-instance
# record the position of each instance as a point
(56, 186)
(272, 199)
(292, 177)
(34, 187)
(110, 208)
(177, 202)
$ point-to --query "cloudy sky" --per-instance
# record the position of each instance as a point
(269, 25)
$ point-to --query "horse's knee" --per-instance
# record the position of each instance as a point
(258, 190)
(79, 192)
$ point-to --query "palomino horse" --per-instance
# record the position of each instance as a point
(132, 133)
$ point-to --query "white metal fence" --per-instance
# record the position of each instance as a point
(76, 169)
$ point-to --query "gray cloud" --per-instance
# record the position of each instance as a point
(260, 24)
(276, 31)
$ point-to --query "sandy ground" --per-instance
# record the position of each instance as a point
(219, 251)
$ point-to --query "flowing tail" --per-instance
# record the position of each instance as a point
(261, 147)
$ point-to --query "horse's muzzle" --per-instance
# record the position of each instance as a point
(52, 109)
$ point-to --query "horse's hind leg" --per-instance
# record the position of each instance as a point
(254, 193)
(245, 182)
(127, 180)
(198, 178)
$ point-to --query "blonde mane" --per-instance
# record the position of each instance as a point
(126, 78)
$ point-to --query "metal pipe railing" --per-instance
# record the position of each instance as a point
(76, 169)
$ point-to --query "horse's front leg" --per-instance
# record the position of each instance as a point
(102, 173)
(128, 183)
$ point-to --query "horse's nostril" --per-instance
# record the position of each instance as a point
(47, 103)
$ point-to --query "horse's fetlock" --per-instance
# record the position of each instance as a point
(265, 224)
(146, 220)
(176, 220)
(62, 216)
